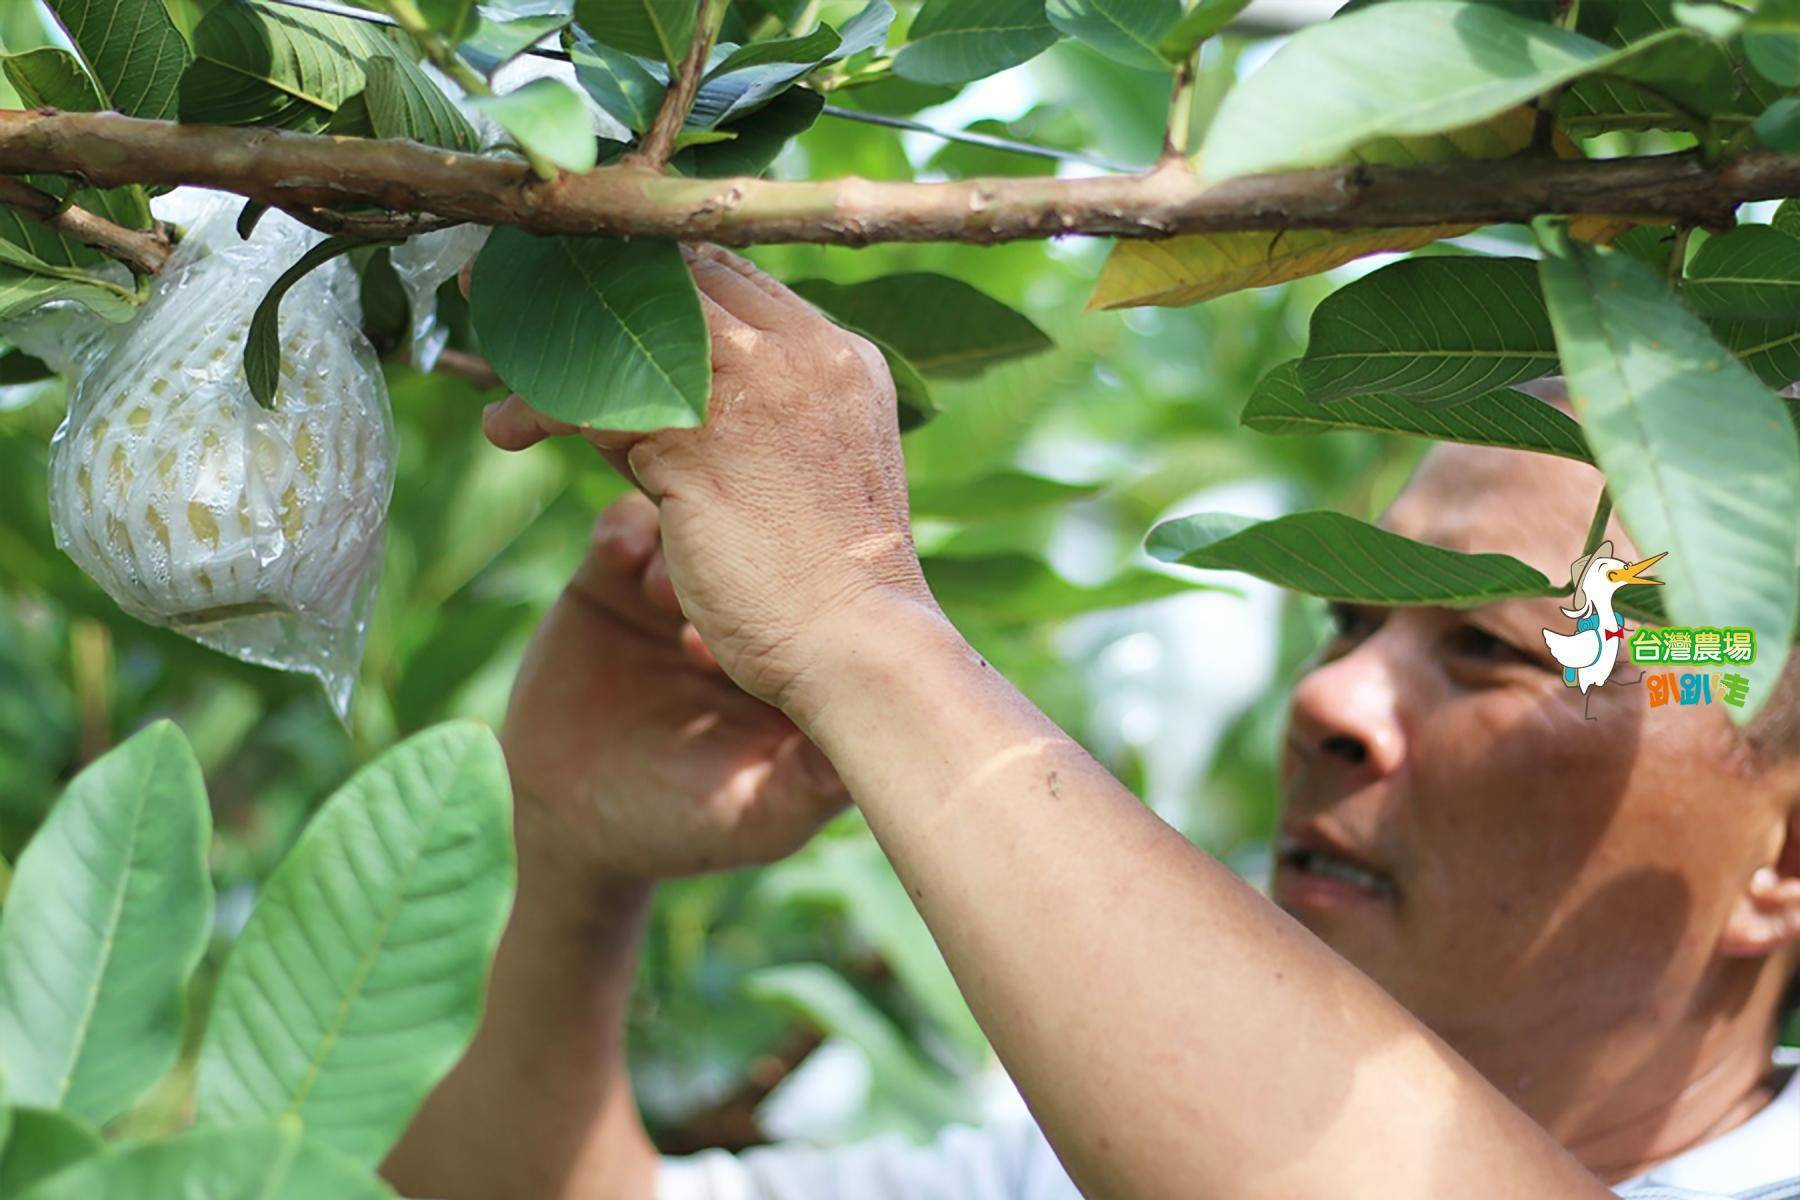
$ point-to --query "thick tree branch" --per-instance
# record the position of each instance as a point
(291, 170)
(143, 250)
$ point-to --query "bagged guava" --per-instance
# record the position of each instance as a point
(256, 531)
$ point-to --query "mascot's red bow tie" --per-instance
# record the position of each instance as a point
(1616, 633)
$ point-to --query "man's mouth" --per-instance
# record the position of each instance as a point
(1313, 872)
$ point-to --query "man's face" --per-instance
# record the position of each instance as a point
(1517, 876)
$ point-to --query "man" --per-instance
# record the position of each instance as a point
(1590, 925)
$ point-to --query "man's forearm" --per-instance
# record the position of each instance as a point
(1176, 1034)
(541, 1105)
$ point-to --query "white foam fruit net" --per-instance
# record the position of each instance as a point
(256, 531)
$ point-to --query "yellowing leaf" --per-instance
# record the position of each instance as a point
(1201, 266)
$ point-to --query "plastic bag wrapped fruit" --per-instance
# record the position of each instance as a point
(256, 531)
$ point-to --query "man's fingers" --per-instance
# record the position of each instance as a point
(512, 424)
(658, 589)
(696, 650)
(736, 294)
(756, 277)
(627, 535)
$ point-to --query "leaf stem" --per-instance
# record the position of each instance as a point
(1181, 112)
(1673, 273)
(658, 145)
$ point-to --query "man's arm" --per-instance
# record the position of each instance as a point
(1176, 1034)
(633, 758)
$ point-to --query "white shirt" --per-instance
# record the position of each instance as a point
(1010, 1160)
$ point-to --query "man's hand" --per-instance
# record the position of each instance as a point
(788, 508)
(632, 753)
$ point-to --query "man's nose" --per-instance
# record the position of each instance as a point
(1347, 713)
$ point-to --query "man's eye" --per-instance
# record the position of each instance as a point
(1472, 641)
(1349, 622)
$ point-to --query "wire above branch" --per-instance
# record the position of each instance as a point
(289, 170)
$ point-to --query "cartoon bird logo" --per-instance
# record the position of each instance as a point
(1589, 654)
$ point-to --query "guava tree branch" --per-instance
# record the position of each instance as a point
(143, 250)
(658, 145)
(290, 170)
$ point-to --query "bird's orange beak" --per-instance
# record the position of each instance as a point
(1634, 573)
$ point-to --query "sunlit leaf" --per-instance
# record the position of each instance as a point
(595, 331)
(1431, 330)
(1701, 458)
(1505, 418)
(359, 978)
(1127, 31)
(548, 119)
(268, 1162)
(498, 40)
(1318, 98)
(108, 912)
(1340, 558)
(954, 41)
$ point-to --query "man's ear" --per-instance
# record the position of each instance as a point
(1766, 917)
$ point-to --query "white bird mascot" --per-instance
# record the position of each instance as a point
(1589, 654)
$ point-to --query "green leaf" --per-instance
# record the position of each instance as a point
(498, 41)
(259, 64)
(656, 29)
(1772, 41)
(1127, 31)
(262, 345)
(942, 325)
(1505, 418)
(42, 1143)
(1430, 330)
(108, 913)
(1778, 126)
(455, 19)
(1787, 218)
(49, 77)
(619, 84)
(912, 395)
(21, 291)
(1018, 588)
(594, 331)
(756, 139)
(990, 497)
(808, 49)
(268, 1162)
(1340, 558)
(954, 41)
(358, 981)
(1317, 99)
(1752, 271)
(402, 102)
(867, 30)
(133, 50)
(1200, 22)
(547, 119)
(1701, 459)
